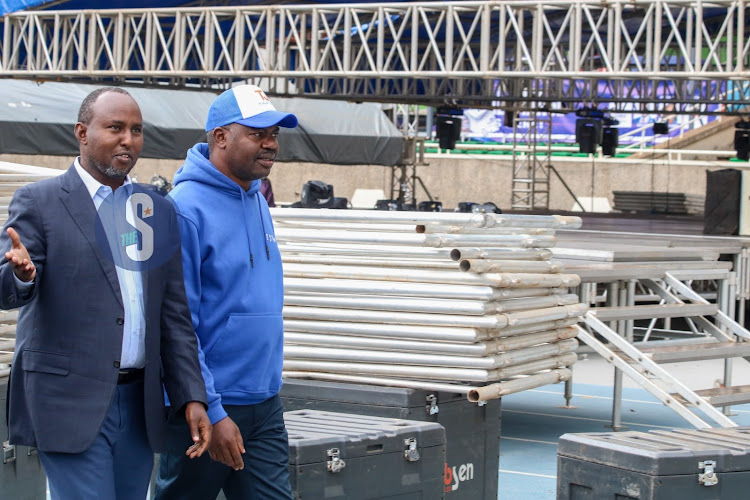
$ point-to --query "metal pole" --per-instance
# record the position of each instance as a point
(729, 302)
(613, 296)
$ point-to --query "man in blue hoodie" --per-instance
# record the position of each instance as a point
(234, 285)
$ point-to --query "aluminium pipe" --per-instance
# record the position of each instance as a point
(431, 305)
(499, 280)
(400, 304)
(9, 316)
(477, 220)
(505, 344)
(328, 225)
(512, 331)
(365, 249)
(424, 290)
(427, 372)
(391, 370)
(458, 254)
(549, 314)
(527, 303)
(383, 216)
(510, 266)
(533, 353)
(388, 382)
(420, 332)
(495, 240)
(445, 229)
(491, 362)
(285, 234)
(482, 348)
(473, 394)
(561, 361)
(494, 321)
(347, 260)
(431, 228)
(389, 317)
(496, 391)
(551, 221)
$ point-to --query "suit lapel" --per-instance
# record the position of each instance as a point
(76, 199)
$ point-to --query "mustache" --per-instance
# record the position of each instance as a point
(268, 154)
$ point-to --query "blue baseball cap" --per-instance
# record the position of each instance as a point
(247, 105)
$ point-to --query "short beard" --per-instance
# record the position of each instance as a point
(109, 171)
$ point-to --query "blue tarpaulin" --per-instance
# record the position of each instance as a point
(7, 6)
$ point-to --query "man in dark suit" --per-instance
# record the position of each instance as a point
(104, 320)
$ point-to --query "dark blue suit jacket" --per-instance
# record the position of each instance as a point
(69, 333)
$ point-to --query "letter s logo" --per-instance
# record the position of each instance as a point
(147, 233)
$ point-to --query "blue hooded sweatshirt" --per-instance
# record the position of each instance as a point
(233, 281)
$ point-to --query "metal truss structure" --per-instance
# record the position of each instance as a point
(638, 55)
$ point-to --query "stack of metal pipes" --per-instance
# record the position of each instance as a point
(466, 303)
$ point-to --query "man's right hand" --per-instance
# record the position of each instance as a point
(19, 258)
(226, 444)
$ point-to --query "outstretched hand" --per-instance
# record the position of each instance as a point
(19, 258)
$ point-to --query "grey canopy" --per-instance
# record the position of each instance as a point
(38, 118)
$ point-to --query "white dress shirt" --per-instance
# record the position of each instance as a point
(131, 283)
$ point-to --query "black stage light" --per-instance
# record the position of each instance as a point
(610, 141)
(430, 206)
(448, 130)
(477, 208)
(465, 207)
(448, 126)
(661, 128)
(316, 194)
(392, 205)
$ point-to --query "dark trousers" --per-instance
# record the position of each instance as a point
(117, 465)
(266, 472)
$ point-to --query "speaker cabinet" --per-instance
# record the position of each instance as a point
(723, 200)
(610, 141)
(742, 143)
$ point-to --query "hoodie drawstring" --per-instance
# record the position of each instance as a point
(263, 226)
(247, 230)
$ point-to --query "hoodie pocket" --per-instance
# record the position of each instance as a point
(248, 356)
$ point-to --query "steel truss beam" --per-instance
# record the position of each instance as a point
(665, 55)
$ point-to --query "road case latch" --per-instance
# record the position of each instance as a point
(411, 453)
(708, 477)
(432, 405)
(9, 452)
(335, 464)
